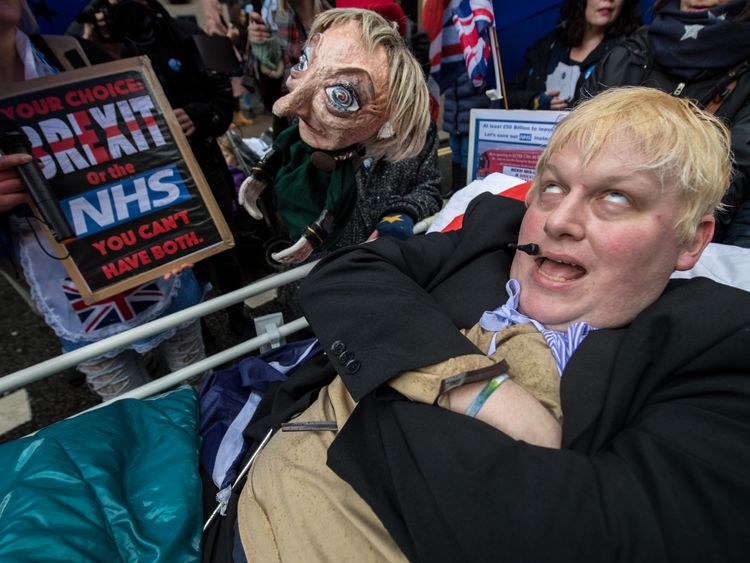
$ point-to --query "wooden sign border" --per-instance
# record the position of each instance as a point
(141, 65)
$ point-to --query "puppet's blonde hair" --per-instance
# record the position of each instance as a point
(672, 137)
(407, 104)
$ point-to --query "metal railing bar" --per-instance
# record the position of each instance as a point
(57, 364)
(176, 377)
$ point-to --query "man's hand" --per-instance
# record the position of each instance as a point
(556, 103)
(250, 191)
(186, 124)
(550, 100)
(296, 253)
(12, 191)
(257, 30)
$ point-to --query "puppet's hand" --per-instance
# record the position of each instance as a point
(250, 191)
(296, 253)
(398, 225)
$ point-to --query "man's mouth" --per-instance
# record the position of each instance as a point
(559, 270)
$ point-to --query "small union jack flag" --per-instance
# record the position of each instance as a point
(119, 308)
(473, 20)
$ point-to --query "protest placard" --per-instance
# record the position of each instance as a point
(123, 172)
(508, 141)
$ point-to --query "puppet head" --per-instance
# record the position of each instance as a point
(357, 83)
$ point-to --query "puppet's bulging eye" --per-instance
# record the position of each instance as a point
(343, 98)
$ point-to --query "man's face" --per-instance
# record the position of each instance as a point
(607, 240)
(338, 90)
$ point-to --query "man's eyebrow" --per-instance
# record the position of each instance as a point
(616, 179)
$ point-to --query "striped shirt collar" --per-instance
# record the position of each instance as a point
(562, 344)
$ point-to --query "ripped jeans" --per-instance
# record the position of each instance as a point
(110, 377)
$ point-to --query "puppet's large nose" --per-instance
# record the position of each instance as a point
(299, 100)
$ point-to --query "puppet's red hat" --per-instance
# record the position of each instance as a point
(386, 8)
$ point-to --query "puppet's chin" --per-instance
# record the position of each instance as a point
(325, 141)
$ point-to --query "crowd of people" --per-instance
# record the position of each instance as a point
(532, 385)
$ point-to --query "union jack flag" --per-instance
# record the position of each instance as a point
(119, 308)
(474, 19)
(459, 39)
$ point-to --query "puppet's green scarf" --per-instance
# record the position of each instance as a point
(303, 190)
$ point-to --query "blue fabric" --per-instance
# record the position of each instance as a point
(562, 344)
(119, 483)
(698, 45)
(228, 399)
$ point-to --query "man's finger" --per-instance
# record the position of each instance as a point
(15, 159)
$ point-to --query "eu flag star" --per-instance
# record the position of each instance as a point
(392, 219)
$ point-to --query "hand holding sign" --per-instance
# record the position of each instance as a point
(187, 125)
(12, 192)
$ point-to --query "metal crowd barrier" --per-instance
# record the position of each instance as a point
(39, 371)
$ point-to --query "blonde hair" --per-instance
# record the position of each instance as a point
(407, 104)
(675, 139)
(28, 22)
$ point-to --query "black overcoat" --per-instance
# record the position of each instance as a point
(655, 459)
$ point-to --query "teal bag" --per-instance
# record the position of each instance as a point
(119, 483)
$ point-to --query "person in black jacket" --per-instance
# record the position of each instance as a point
(384, 463)
(701, 51)
(568, 55)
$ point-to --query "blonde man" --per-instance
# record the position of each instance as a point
(655, 393)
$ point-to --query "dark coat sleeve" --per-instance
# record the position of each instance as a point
(361, 301)
(211, 104)
(654, 465)
(212, 114)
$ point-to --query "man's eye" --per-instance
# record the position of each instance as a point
(343, 98)
(551, 189)
(617, 197)
(304, 59)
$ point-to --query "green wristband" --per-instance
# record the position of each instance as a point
(486, 391)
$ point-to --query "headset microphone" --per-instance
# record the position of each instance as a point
(531, 249)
